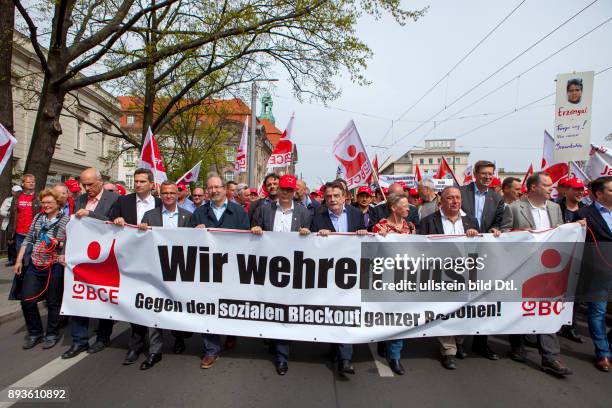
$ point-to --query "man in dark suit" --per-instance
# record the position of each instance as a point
(596, 277)
(271, 186)
(338, 217)
(96, 203)
(170, 215)
(129, 209)
(381, 211)
(219, 212)
(301, 196)
(284, 216)
(487, 208)
(450, 220)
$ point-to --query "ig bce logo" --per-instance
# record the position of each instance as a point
(98, 278)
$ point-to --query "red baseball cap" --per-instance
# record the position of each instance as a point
(364, 190)
(181, 187)
(563, 182)
(73, 186)
(120, 189)
(413, 192)
(403, 184)
(575, 183)
(287, 181)
(253, 191)
(496, 182)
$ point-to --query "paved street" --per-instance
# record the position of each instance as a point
(246, 376)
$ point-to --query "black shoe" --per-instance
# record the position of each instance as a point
(570, 333)
(461, 353)
(449, 362)
(32, 341)
(556, 367)
(381, 349)
(179, 346)
(131, 357)
(282, 368)
(345, 367)
(486, 352)
(396, 367)
(151, 360)
(99, 345)
(74, 350)
(50, 342)
(519, 355)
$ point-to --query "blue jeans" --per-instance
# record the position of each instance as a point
(596, 314)
(211, 344)
(394, 349)
(19, 241)
(80, 330)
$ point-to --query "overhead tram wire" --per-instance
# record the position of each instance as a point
(519, 109)
(497, 71)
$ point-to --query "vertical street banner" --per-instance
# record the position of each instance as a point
(240, 165)
(573, 116)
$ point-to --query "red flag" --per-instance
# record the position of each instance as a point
(348, 149)
(150, 158)
(191, 176)
(375, 166)
(282, 154)
(444, 171)
(529, 173)
(417, 173)
(7, 141)
(468, 175)
(240, 166)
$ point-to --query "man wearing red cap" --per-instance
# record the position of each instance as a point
(363, 203)
(413, 197)
(561, 190)
(183, 200)
(285, 215)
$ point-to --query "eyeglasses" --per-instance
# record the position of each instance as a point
(197, 195)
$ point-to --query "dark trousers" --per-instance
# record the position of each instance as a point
(282, 350)
(80, 330)
(342, 351)
(34, 283)
(138, 339)
(548, 344)
(480, 342)
(11, 252)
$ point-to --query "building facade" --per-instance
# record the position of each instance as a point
(428, 159)
(80, 145)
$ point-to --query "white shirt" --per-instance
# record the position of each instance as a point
(282, 219)
(540, 216)
(450, 227)
(143, 205)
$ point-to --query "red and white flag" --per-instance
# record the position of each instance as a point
(417, 173)
(240, 165)
(577, 172)
(600, 162)
(445, 172)
(529, 173)
(468, 175)
(375, 166)
(282, 154)
(150, 158)
(556, 171)
(348, 149)
(191, 176)
(7, 142)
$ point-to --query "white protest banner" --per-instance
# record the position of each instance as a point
(573, 116)
(600, 162)
(439, 184)
(329, 289)
(385, 180)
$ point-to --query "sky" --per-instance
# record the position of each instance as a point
(408, 60)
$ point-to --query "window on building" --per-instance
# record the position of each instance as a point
(129, 181)
(78, 142)
(430, 160)
(103, 146)
(129, 156)
(229, 176)
(439, 160)
(422, 160)
(131, 119)
(457, 160)
(230, 154)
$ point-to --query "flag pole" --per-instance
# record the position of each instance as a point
(153, 160)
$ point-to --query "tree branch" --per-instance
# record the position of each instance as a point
(33, 37)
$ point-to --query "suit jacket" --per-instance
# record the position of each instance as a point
(154, 217)
(234, 217)
(381, 211)
(518, 215)
(312, 206)
(432, 224)
(321, 220)
(301, 217)
(254, 211)
(125, 207)
(104, 207)
(492, 212)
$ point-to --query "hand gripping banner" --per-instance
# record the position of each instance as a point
(340, 288)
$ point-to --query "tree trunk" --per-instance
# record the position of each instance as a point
(7, 22)
(47, 130)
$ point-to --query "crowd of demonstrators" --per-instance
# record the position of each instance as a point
(36, 225)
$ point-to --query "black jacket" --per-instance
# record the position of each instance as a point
(234, 217)
(492, 212)
(125, 207)
(301, 217)
(154, 217)
(432, 224)
(321, 220)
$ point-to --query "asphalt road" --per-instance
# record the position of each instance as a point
(245, 377)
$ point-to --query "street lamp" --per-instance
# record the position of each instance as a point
(252, 141)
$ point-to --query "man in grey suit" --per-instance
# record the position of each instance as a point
(283, 216)
(96, 203)
(487, 208)
(536, 211)
(169, 215)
